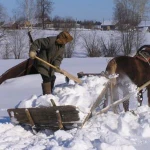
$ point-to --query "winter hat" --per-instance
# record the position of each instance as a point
(63, 38)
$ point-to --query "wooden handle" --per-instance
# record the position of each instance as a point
(122, 100)
(65, 73)
(143, 86)
(50, 65)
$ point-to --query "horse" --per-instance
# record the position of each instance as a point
(129, 69)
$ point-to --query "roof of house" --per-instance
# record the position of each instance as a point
(107, 22)
(8, 24)
(144, 24)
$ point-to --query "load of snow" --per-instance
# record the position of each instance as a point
(83, 95)
(107, 131)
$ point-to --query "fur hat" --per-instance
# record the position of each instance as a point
(63, 38)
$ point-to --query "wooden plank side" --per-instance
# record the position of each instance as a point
(116, 103)
(45, 116)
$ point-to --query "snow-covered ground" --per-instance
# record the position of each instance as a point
(107, 131)
(102, 132)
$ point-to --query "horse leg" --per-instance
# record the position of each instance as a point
(106, 98)
(126, 105)
(148, 94)
(125, 91)
(140, 98)
(114, 96)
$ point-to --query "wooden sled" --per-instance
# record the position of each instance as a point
(54, 118)
(24, 68)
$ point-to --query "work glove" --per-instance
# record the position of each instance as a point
(32, 54)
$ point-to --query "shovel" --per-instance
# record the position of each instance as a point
(65, 73)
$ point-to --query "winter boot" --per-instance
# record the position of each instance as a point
(46, 87)
(53, 82)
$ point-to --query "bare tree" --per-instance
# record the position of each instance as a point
(66, 23)
(70, 47)
(57, 22)
(3, 13)
(69, 50)
(6, 52)
(128, 14)
(91, 43)
(26, 9)
(139, 39)
(18, 44)
(4, 48)
(44, 9)
(112, 48)
(88, 24)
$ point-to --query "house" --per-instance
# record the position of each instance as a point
(97, 25)
(108, 25)
(48, 24)
(10, 25)
(144, 26)
(24, 24)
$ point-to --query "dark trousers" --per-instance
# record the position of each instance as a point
(48, 79)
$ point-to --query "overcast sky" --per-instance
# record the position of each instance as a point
(78, 9)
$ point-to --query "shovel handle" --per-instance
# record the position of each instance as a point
(65, 73)
(50, 65)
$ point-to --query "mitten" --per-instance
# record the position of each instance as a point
(32, 54)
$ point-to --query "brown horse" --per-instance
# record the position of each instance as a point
(129, 69)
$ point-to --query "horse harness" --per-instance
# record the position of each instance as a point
(144, 55)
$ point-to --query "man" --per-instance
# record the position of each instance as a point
(50, 49)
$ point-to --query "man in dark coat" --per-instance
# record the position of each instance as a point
(50, 49)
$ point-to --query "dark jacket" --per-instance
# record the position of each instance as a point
(47, 50)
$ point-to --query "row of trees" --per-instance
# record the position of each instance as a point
(40, 11)
(127, 14)
(68, 23)
(15, 44)
(28, 10)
